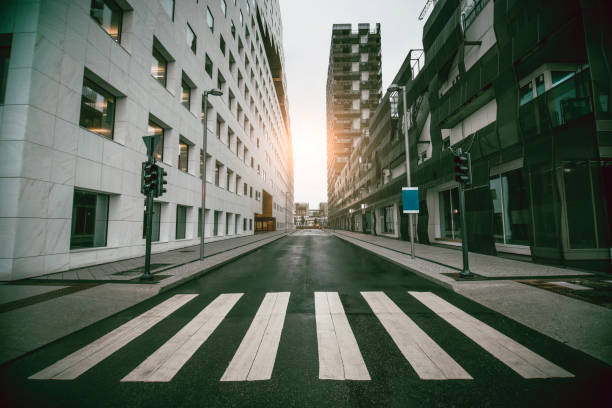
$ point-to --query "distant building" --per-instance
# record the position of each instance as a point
(300, 213)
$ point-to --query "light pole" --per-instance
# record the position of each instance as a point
(286, 219)
(214, 92)
(396, 88)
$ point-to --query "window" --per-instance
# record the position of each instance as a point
(183, 158)
(228, 217)
(245, 189)
(159, 66)
(217, 173)
(156, 223)
(510, 208)
(208, 65)
(181, 221)
(248, 7)
(244, 224)
(5, 53)
(157, 130)
(185, 94)
(222, 44)
(168, 6)
(526, 93)
(108, 14)
(210, 20)
(251, 224)
(233, 30)
(191, 38)
(89, 220)
(216, 223)
(224, 8)
(241, 18)
(97, 109)
(389, 220)
(251, 191)
(220, 81)
(228, 179)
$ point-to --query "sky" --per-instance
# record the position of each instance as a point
(306, 38)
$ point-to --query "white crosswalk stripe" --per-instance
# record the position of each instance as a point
(519, 358)
(255, 357)
(424, 355)
(82, 360)
(163, 365)
(339, 355)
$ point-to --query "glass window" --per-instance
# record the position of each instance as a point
(185, 94)
(227, 223)
(216, 223)
(559, 76)
(191, 38)
(153, 130)
(5, 53)
(251, 224)
(579, 202)
(222, 44)
(181, 221)
(217, 173)
(224, 8)
(208, 66)
(233, 30)
(97, 109)
(159, 67)
(248, 6)
(183, 158)
(168, 6)
(510, 208)
(241, 18)
(450, 225)
(89, 220)
(244, 224)
(156, 223)
(540, 86)
(210, 20)
(108, 14)
(389, 219)
(526, 93)
(544, 212)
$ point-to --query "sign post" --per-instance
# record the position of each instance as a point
(410, 205)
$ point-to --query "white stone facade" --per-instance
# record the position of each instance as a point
(45, 154)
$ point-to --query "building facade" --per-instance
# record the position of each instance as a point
(83, 81)
(526, 92)
(354, 83)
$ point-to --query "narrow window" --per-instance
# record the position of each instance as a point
(5, 53)
(222, 44)
(185, 94)
(210, 20)
(168, 6)
(156, 223)
(241, 18)
(89, 220)
(191, 38)
(97, 109)
(208, 66)
(157, 130)
(233, 30)
(181, 221)
(108, 15)
(159, 67)
(217, 173)
(183, 158)
(224, 8)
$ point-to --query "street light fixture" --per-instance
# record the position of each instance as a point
(213, 92)
(397, 88)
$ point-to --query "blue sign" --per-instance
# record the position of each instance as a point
(410, 200)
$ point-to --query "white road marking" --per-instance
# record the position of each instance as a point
(424, 355)
(572, 286)
(255, 357)
(163, 365)
(87, 357)
(339, 355)
(516, 356)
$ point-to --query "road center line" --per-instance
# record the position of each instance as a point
(424, 355)
(163, 365)
(516, 356)
(87, 357)
(255, 357)
(339, 355)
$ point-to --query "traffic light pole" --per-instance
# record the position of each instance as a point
(465, 273)
(149, 226)
(149, 188)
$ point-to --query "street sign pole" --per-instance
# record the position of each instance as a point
(150, 142)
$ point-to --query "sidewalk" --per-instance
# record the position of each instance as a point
(35, 312)
(512, 288)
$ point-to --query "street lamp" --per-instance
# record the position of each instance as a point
(397, 88)
(214, 92)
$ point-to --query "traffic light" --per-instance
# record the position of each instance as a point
(161, 173)
(147, 178)
(463, 171)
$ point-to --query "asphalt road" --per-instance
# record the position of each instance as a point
(302, 264)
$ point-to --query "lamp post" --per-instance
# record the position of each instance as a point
(286, 215)
(397, 88)
(214, 92)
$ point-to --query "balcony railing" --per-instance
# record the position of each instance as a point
(560, 105)
(470, 11)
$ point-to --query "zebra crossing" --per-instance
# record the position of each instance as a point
(339, 354)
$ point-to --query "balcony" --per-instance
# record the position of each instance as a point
(557, 107)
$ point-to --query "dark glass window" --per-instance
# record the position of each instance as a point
(216, 223)
(185, 94)
(526, 93)
(251, 224)
(183, 158)
(510, 208)
(244, 224)
(544, 212)
(108, 14)
(540, 86)
(227, 223)
(168, 6)
(222, 44)
(156, 223)
(159, 67)
(155, 129)
(89, 220)
(191, 38)
(580, 210)
(389, 222)
(560, 76)
(217, 173)
(233, 30)
(224, 8)
(208, 66)
(97, 109)
(5, 53)
(181, 221)
(210, 20)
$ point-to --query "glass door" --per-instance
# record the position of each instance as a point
(450, 224)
